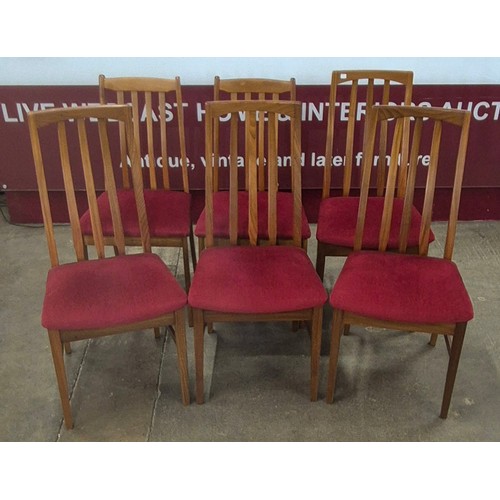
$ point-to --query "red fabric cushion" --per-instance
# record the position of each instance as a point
(284, 207)
(169, 213)
(337, 220)
(402, 288)
(255, 280)
(109, 292)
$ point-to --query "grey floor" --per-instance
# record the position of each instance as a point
(126, 387)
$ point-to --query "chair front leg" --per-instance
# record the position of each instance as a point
(337, 328)
(316, 330)
(181, 346)
(56, 346)
(320, 260)
(199, 331)
(456, 350)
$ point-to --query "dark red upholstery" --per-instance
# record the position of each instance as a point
(109, 292)
(402, 288)
(255, 280)
(168, 214)
(284, 207)
(338, 216)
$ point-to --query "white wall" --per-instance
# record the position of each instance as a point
(201, 70)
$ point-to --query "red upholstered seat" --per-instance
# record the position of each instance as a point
(402, 288)
(221, 216)
(255, 280)
(109, 292)
(168, 214)
(338, 216)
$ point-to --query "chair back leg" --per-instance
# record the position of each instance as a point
(456, 350)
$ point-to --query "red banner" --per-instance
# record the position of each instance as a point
(483, 157)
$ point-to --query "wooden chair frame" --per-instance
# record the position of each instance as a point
(214, 110)
(343, 319)
(59, 118)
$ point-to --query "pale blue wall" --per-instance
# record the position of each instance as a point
(201, 70)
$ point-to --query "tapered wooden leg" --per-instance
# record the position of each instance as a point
(433, 339)
(199, 331)
(316, 330)
(67, 347)
(185, 259)
(193, 248)
(57, 355)
(320, 261)
(337, 326)
(180, 344)
(157, 333)
(456, 349)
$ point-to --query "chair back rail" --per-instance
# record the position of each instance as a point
(251, 89)
(376, 87)
(81, 154)
(429, 129)
(255, 113)
(148, 98)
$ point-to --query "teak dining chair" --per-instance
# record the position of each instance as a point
(88, 299)
(337, 214)
(396, 290)
(158, 119)
(249, 89)
(255, 279)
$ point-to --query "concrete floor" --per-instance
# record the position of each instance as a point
(125, 388)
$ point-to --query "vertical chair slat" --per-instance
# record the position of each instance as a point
(43, 192)
(216, 135)
(382, 151)
(429, 190)
(457, 184)
(95, 218)
(233, 179)
(368, 146)
(411, 178)
(390, 187)
(296, 176)
(211, 132)
(150, 141)
(253, 224)
(138, 185)
(351, 123)
(403, 172)
(123, 146)
(163, 141)
(110, 184)
(70, 192)
(182, 135)
(272, 183)
(327, 177)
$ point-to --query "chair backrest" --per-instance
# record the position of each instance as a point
(367, 87)
(245, 117)
(157, 101)
(252, 89)
(87, 142)
(437, 135)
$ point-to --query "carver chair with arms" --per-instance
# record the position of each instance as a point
(249, 89)
(254, 278)
(158, 120)
(396, 290)
(87, 299)
(337, 214)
